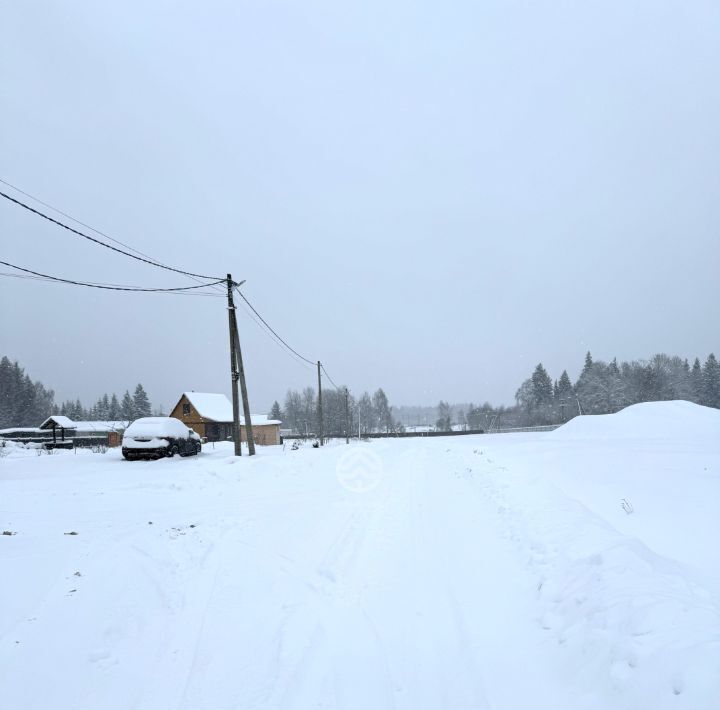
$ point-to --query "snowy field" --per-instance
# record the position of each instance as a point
(578, 569)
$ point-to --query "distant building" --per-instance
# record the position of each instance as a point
(59, 430)
(211, 416)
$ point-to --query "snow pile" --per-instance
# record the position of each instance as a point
(14, 450)
(618, 517)
(632, 624)
(648, 420)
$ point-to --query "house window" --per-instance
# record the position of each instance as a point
(186, 409)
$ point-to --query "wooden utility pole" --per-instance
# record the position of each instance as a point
(243, 389)
(320, 412)
(347, 416)
(233, 368)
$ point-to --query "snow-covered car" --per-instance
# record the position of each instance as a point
(155, 437)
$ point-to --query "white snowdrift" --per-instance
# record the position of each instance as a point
(649, 420)
(494, 572)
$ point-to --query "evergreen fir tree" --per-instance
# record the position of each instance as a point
(565, 388)
(275, 411)
(542, 389)
(114, 412)
(141, 403)
(127, 408)
(696, 381)
(711, 382)
(105, 408)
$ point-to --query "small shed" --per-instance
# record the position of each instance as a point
(211, 416)
(61, 423)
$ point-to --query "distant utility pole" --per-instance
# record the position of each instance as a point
(347, 416)
(320, 412)
(233, 368)
(243, 389)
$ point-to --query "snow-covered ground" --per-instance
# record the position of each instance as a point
(576, 569)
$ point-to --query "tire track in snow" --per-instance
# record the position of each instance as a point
(461, 679)
(343, 645)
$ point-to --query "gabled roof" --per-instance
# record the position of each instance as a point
(57, 420)
(101, 425)
(217, 408)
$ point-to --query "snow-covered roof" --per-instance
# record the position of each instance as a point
(217, 408)
(260, 419)
(101, 426)
(58, 420)
(67, 423)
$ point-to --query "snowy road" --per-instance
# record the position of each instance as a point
(472, 572)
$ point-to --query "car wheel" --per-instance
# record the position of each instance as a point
(172, 451)
(198, 449)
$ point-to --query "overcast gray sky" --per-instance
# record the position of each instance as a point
(429, 197)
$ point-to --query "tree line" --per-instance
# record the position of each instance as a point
(110, 408)
(601, 388)
(23, 403)
(27, 403)
(604, 388)
(368, 413)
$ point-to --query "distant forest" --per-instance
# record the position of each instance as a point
(25, 403)
(601, 388)
(369, 413)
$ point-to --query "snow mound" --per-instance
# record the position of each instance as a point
(677, 419)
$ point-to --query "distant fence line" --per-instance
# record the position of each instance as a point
(518, 429)
(69, 442)
(409, 434)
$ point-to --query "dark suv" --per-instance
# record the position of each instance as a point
(155, 437)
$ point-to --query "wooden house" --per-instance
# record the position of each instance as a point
(210, 415)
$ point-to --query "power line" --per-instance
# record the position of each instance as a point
(145, 258)
(105, 286)
(101, 243)
(329, 378)
(281, 340)
(98, 285)
(100, 232)
(269, 335)
(74, 219)
(267, 325)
